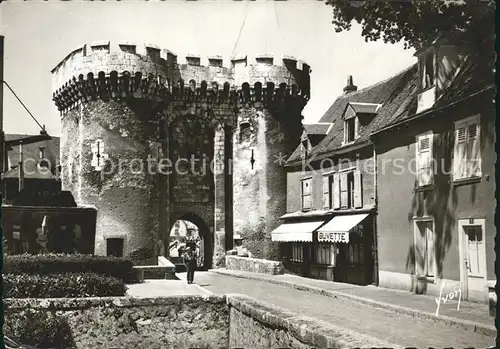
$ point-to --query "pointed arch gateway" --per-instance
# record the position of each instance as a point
(204, 233)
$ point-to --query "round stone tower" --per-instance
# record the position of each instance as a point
(148, 140)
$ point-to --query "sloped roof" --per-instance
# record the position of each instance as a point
(32, 151)
(398, 95)
(31, 171)
(365, 108)
(317, 129)
(476, 76)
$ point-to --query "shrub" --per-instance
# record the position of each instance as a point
(143, 256)
(46, 264)
(40, 329)
(62, 286)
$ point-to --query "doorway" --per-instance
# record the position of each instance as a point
(472, 257)
(183, 234)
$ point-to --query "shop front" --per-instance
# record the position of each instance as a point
(337, 248)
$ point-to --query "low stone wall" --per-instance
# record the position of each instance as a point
(258, 326)
(180, 322)
(122, 322)
(254, 265)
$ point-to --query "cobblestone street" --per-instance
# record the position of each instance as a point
(396, 328)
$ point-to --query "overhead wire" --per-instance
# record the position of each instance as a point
(26, 108)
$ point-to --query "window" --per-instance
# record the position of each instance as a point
(114, 247)
(425, 170)
(347, 190)
(467, 153)
(324, 254)
(327, 194)
(350, 130)
(306, 194)
(245, 132)
(297, 253)
(427, 74)
(356, 253)
(425, 263)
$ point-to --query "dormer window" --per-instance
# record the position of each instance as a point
(306, 147)
(427, 71)
(350, 132)
(427, 78)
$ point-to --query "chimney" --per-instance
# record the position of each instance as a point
(21, 167)
(43, 163)
(350, 86)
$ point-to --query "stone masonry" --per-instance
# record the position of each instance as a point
(148, 140)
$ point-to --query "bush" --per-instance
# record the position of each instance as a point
(46, 264)
(62, 286)
(40, 329)
(143, 256)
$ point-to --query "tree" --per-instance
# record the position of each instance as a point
(419, 22)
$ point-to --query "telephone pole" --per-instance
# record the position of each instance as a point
(2, 135)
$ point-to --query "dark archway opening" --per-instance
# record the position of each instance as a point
(190, 230)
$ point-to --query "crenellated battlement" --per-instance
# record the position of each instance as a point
(104, 69)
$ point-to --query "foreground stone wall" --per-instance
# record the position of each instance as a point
(173, 322)
(232, 321)
(254, 265)
(258, 326)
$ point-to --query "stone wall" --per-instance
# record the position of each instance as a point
(259, 326)
(254, 265)
(130, 323)
(232, 321)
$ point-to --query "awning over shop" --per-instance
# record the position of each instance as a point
(337, 229)
(291, 232)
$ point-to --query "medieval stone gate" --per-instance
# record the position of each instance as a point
(147, 141)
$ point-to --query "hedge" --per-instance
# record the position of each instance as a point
(46, 264)
(40, 329)
(62, 286)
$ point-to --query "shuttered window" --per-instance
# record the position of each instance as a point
(425, 170)
(327, 197)
(336, 191)
(467, 152)
(306, 193)
(350, 190)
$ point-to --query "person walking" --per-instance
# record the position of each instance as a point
(190, 263)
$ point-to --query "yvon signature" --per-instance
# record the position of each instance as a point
(452, 295)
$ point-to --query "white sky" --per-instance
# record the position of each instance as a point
(40, 34)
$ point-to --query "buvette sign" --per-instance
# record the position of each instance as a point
(333, 237)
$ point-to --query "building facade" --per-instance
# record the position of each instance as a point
(329, 231)
(436, 187)
(149, 140)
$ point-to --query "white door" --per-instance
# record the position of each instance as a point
(473, 257)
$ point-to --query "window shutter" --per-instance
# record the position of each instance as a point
(431, 258)
(358, 190)
(343, 190)
(420, 248)
(336, 191)
(473, 151)
(356, 127)
(424, 160)
(326, 192)
(460, 154)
